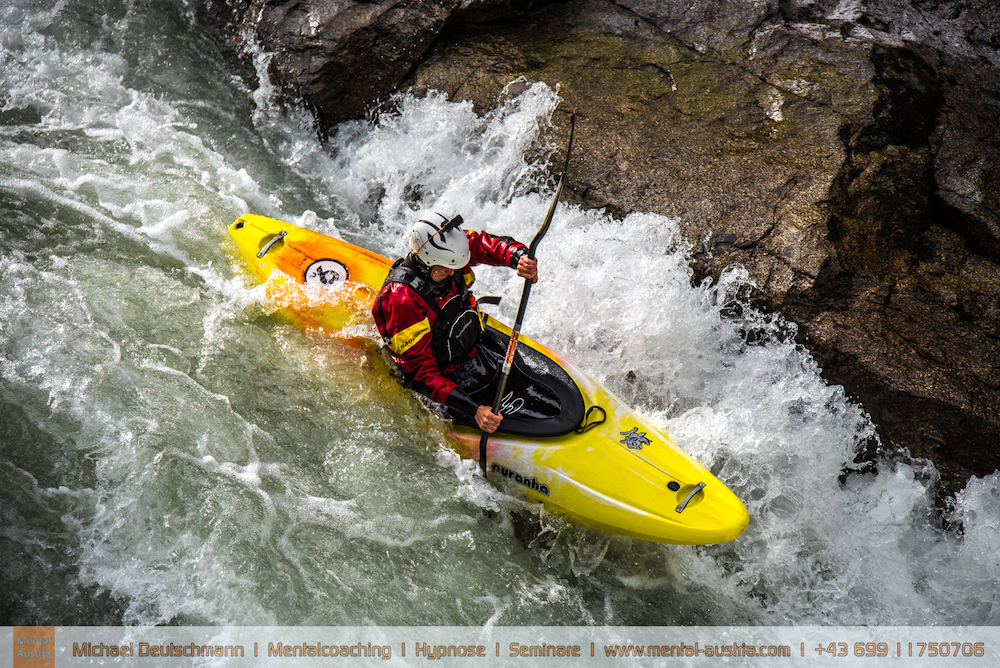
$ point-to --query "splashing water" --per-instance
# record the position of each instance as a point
(175, 450)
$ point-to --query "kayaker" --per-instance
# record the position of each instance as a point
(427, 314)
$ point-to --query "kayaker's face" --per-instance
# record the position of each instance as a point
(439, 273)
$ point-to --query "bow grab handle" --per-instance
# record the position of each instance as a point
(275, 239)
(687, 499)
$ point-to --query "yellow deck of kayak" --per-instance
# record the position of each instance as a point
(622, 476)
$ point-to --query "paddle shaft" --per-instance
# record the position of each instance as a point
(522, 307)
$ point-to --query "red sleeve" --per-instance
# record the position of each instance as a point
(404, 320)
(496, 251)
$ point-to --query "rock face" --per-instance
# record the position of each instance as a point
(339, 57)
(846, 158)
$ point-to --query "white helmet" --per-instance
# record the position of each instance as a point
(435, 240)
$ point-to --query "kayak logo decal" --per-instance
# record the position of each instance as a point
(510, 405)
(326, 272)
(531, 483)
(634, 439)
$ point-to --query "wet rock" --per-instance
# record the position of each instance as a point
(844, 154)
(340, 58)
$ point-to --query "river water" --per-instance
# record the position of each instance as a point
(174, 450)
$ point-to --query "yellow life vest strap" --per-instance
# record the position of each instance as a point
(407, 338)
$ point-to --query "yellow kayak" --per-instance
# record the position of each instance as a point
(565, 441)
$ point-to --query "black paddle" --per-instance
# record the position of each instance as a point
(512, 346)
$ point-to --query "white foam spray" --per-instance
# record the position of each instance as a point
(196, 458)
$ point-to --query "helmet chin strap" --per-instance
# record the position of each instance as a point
(424, 268)
(420, 263)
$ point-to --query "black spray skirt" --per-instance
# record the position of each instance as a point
(540, 398)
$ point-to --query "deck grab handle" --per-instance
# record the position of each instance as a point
(275, 239)
(697, 488)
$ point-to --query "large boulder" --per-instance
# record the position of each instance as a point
(341, 57)
(845, 158)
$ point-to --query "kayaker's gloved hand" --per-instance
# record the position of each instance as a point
(487, 420)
